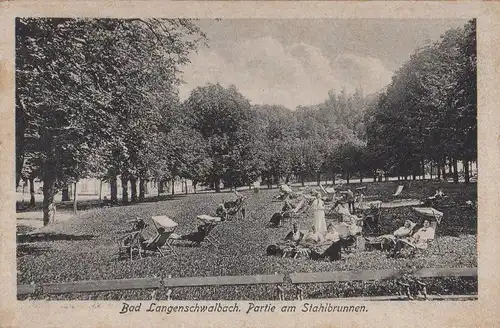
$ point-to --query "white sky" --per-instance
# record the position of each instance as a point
(295, 62)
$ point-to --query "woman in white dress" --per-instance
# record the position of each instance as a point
(318, 207)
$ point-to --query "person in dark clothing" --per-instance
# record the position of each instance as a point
(350, 200)
(295, 235)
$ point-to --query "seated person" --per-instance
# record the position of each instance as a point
(438, 195)
(276, 219)
(221, 211)
(196, 236)
(429, 202)
(418, 240)
(423, 235)
(332, 234)
(287, 206)
(405, 230)
(313, 237)
(294, 236)
(330, 248)
(285, 191)
(387, 240)
(146, 242)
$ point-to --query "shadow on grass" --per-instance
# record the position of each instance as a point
(31, 238)
(23, 229)
(27, 249)
(93, 204)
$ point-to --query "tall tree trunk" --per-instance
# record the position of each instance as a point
(217, 185)
(430, 169)
(186, 186)
(318, 176)
(114, 189)
(124, 189)
(20, 112)
(466, 170)
(333, 178)
(100, 189)
(443, 169)
(133, 188)
(375, 176)
(142, 189)
(194, 185)
(348, 176)
(32, 191)
(438, 171)
(455, 170)
(49, 191)
(450, 166)
(65, 194)
(75, 208)
(173, 186)
(19, 165)
(302, 178)
(423, 169)
(161, 187)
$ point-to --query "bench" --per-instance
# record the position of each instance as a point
(370, 275)
(149, 283)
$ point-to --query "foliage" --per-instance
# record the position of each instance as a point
(429, 111)
(90, 94)
(224, 120)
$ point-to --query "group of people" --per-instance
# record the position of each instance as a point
(310, 244)
(405, 236)
(320, 240)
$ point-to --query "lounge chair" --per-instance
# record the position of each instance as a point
(235, 207)
(398, 191)
(202, 233)
(386, 242)
(211, 222)
(129, 243)
(155, 244)
(371, 222)
(431, 213)
(165, 227)
(137, 224)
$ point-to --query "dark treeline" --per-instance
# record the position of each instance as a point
(99, 98)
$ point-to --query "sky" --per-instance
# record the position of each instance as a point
(294, 62)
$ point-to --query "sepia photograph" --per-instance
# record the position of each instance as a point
(246, 159)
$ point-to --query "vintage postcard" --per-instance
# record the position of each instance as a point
(249, 164)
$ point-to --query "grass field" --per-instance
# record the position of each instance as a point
(85, 247)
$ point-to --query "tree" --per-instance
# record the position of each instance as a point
(428, 112)
(222, 118)
(78, 80)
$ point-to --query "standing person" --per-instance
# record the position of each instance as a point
(350, 200)
(319, 221)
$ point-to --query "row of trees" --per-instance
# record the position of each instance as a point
(428, 114)
(98, 98)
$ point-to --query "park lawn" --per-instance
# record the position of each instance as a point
(86, 247)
